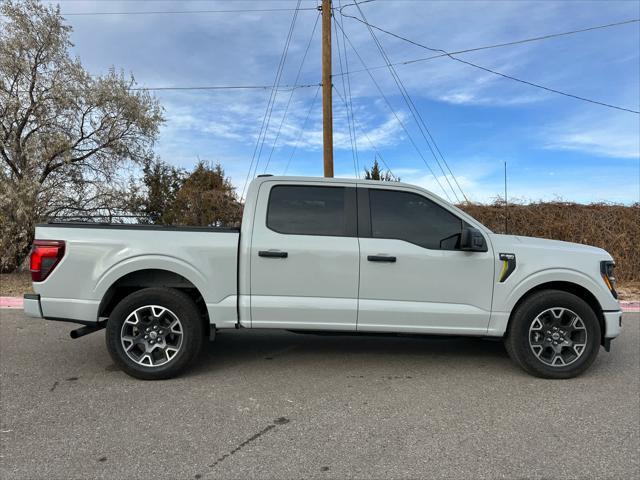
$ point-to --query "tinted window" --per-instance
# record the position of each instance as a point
(302, 210)
(414, 218)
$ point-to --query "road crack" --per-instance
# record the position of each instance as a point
(253, 438)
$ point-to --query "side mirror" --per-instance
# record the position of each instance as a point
(472, 240)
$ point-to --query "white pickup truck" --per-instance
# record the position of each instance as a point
(337, 255)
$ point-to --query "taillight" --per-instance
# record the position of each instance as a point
(45, 255)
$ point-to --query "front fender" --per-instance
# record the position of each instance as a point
(506, 296)
(604, 297)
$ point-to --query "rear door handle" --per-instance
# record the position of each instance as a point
(381, 258)
(273, 254)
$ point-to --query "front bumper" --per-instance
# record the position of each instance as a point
(32, 306)
(612, 323)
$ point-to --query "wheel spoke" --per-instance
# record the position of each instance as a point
(557, 313)
(146, 360)
(133, 319)
(130, 342)
(176, 327)
(578, 324)
(578, 348)
(170, 352)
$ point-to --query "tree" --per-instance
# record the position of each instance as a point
(376, 173)
(206, 197)
(152, 201)
(65, 135)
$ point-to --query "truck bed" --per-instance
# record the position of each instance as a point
(99, 255)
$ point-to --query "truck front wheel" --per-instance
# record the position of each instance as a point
(553, 334)
(154, 333)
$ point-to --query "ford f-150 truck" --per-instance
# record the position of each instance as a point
(338, 255)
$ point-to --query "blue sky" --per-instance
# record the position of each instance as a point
(554, 146)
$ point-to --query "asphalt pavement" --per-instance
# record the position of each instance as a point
(273, 404)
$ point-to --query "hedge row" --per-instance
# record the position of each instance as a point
(616, 228)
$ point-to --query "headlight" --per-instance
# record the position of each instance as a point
(606, 270)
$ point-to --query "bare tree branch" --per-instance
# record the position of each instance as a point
(65, 136)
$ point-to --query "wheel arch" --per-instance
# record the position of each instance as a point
(152, 277)
(564, 286)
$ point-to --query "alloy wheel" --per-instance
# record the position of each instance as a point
(151, 335)
(558, 337)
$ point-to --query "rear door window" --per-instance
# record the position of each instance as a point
(312, 210)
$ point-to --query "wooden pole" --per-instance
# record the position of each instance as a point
(327, 107)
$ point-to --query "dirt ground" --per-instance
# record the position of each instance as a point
(15, 284)
(629, 291)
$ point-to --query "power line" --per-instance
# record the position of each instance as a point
(422, 126)
(150, 1)
(356, 124)
(340, 7)
(410, 104)
(535, 39)
(281, 88)
(504, 75)
(286, 109)
(182, 12)
(267, 114)
(356, 167)
(548, 89)
(275, 92)
(228, 87)
(304, 125)
(350, 103)
(498, 45)
(506, 44)
(400, 122)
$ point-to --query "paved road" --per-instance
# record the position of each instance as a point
(281, 405)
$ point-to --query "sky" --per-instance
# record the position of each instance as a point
(554, 146)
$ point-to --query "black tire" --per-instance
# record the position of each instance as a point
(530, 346)
(190, 325)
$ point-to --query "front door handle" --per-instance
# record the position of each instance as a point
(381, 258)
(273, 254)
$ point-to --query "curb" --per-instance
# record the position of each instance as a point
(10, 302)
(630, 306)
(16, 303)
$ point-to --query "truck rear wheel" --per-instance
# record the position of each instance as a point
(154, 333)
(554, 334)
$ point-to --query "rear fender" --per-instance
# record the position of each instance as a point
(150, 262)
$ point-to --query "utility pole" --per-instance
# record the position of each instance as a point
(327, 107)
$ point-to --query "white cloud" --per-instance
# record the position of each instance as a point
(611, 135)
(459, 98)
